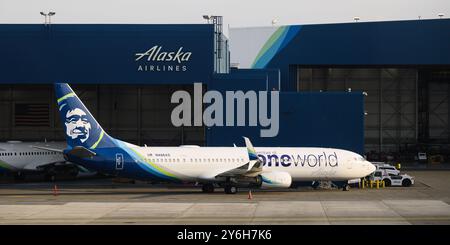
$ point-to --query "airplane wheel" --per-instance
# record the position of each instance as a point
(231, 189)
(315, 185)
(346, 188)
(208, 188)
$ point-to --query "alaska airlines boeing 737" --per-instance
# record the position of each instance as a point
(229, 167)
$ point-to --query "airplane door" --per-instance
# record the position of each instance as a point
(119, 161)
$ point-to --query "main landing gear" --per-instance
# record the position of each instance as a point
(229, 189)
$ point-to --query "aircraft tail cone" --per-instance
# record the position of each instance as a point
(55, 190)
(250, 196)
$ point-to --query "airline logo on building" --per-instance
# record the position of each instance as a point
(158, 59)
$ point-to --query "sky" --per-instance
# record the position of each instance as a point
(236, 13)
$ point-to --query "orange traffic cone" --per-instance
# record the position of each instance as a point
(55, 190)
(250, 196)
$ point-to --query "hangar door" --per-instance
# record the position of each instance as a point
(407, 109)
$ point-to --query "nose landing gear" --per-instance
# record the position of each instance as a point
(346, 188)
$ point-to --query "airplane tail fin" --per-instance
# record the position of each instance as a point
(80, 127)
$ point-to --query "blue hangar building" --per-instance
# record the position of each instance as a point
(377, 88)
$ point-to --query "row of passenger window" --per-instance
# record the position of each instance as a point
(28, 153)
(197, 160)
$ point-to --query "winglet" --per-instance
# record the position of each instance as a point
(251, 151)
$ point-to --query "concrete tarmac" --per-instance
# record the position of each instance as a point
(104, 202)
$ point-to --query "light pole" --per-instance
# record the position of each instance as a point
(207, 18)
(45, 16)
(214, 19)
(49, 15)
(274, 22)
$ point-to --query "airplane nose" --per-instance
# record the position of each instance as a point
(370, 167)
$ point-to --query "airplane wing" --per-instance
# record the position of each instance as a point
(57, 160)
(47, 149)
(250, 169)
(77, 151)
(37, 166)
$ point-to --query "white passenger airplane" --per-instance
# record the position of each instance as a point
(19, 158)
(229, 167)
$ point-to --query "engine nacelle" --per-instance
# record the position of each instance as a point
(275, 180)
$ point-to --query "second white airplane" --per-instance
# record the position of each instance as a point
(229, 167)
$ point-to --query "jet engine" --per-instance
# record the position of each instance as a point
(275, 180)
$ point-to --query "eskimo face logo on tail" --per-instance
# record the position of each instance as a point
(80, 127)
(77, 124)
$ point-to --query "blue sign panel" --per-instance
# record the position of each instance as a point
(150, 54)
(327, 119)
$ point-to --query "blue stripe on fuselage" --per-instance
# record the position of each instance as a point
(105, 162)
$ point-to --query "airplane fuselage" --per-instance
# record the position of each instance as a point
(186, 164)
(18, 156)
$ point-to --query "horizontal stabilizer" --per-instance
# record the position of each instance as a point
(81, 152)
